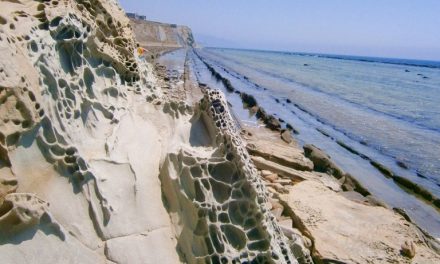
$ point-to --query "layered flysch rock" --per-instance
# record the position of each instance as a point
(97, 166)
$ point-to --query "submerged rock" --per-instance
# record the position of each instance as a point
(286, 136)
(425, 194)
(248, 100)
(351, 184)
(322, 162)
(271, 122)
(290, 127)
(384, 170)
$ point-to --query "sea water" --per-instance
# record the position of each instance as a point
(386, 109)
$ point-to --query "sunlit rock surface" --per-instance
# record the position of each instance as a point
(80, 145)
(94, 158)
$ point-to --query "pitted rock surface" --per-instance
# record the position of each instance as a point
(219, 199)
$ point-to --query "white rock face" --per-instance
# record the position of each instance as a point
(84, 136)
(80, 147)
(150, 33)
(215, 196)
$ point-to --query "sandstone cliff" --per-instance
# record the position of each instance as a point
(74, 185)
(98, 165)
(156, 34)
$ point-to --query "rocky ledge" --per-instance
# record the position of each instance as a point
(339, 221)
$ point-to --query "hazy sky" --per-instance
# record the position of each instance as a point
(390, 28)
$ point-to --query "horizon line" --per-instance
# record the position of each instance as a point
(327, 54)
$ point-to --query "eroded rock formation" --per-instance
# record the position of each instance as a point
(72, 96)
(220, 203)
(85, 132)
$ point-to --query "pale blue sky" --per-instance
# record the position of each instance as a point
(386, 28)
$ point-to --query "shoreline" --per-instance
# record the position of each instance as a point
(250, 103)
(428, 207)
(300, 171)
(396, 61)
(308, 97)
